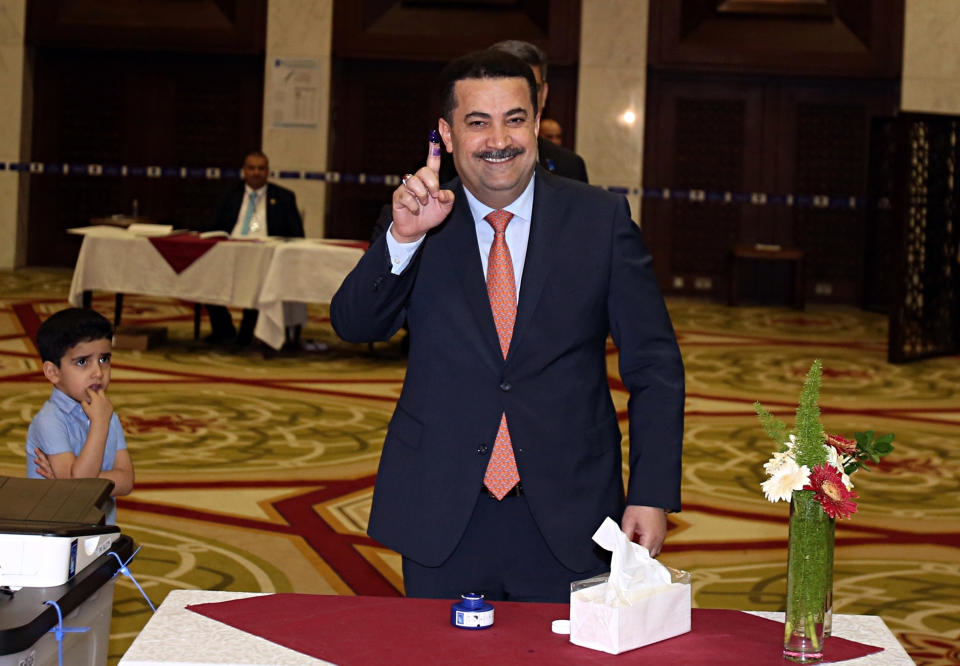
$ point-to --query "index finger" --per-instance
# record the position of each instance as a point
(433, 151)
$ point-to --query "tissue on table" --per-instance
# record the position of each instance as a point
(639, 602)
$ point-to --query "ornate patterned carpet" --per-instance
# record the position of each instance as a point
(256, 473)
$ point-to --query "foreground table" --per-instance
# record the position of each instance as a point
(179, 636)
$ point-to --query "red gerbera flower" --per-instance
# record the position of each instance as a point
(827, 484)
(843, 446)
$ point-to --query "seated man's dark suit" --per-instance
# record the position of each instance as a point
(587, 275)
(283, 219)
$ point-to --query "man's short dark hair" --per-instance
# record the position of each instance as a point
(255, 153)
(529, 53)
(66, 328)
(487, 64)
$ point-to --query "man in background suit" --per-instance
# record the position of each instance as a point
(554, 157)
(551, 130)
(503, 455)
(252, 208)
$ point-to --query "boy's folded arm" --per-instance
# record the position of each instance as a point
(122, 473)
(61, 464)
(88, 463)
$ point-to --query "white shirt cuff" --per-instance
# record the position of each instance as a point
(400, 253)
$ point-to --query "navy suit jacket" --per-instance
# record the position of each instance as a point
(283, 217)
(587, 274)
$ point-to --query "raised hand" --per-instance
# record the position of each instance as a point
(419, 204)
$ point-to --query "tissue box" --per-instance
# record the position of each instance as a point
(661, 612)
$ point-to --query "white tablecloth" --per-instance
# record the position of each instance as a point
(301, 270)
(261, 275)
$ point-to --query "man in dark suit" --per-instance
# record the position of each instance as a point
(504, 453)
(252, 208)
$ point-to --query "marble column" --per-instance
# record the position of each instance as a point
(300, 29)
(931, 57)
(15, 104)
(611, 93)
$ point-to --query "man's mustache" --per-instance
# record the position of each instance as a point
(506, 153)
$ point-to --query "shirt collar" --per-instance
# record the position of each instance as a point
(247, 190)
(63, 401)
(521, 207)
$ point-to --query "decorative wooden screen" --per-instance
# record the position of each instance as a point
(924, 314)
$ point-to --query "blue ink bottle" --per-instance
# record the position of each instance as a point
(471, 612)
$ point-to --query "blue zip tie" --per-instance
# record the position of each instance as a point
(126, 572)
(60, 630)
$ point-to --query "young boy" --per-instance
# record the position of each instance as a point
(76, 433)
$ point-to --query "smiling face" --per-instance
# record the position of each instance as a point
(84, 366)
(493, 137)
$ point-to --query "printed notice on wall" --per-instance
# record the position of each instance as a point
(294, 97)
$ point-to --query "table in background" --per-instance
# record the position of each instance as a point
(302, 270)
(175, 635)
(244, 274)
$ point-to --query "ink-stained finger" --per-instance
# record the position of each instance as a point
(433, 151)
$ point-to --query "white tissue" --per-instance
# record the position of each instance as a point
(633, 573)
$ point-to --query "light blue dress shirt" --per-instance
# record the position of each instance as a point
(60, 426)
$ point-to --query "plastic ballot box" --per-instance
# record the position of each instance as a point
(86, 600)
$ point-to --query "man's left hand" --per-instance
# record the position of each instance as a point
(647, 525)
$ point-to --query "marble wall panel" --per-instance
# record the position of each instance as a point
(931, 57)
(613, 60)
(14, 132)
(300, 29)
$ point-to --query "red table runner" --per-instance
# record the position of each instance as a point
(389, 630)
(181, 250)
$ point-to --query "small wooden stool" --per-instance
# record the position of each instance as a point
(768, 253)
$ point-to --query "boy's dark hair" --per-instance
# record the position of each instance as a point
(487, 64)
(66, 328)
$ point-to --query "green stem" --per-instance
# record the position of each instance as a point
(808, 567)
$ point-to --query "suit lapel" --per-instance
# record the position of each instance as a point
(269, 208)
(548, 217)
(464, 258)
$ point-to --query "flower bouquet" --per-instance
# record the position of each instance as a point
(812, 470)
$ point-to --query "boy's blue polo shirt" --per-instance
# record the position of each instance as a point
(61, 426)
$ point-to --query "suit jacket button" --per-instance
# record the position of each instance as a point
(505, 386)
(482, 449)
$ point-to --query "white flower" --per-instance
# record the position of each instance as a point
(778, 460)
(837, 460)
(788, 477)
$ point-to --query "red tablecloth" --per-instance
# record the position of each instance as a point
(181, 250)
(389, 630)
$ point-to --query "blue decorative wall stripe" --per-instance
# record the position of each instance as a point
(836, 202)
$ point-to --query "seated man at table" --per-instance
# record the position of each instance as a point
(252, 208)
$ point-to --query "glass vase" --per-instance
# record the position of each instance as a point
(828, 601)
(809, 578)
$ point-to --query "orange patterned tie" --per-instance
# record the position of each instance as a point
(501, 473)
